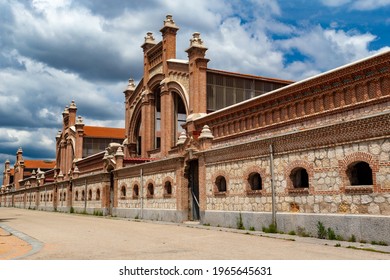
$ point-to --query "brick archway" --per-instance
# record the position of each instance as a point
(297, 164)
(355, 158)
(216, 175)
(166, 193)
(246, 178)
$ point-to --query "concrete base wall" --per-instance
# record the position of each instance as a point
(151, 214)
(363, 227)
(63, 209)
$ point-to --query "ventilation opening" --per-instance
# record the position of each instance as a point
(255, 181)
(90, 195)
(123, 191)
(299, 178)
(98, 194)
(220, 182)
(150, 190)
(135, 191)
(168, 188)
(359, 174)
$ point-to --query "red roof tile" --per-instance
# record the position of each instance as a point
(104, 132)
(35, 164)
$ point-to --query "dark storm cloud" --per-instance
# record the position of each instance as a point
(30, 151)
(81, 56)
(95, 49)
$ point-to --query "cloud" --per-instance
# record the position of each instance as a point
(71, 39)
(328, 48)
(52, 52)
(360, 5)
(41, 106)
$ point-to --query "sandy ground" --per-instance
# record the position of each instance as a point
(12, 247)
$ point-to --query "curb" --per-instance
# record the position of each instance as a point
(35, 244)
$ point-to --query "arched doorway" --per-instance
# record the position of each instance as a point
(193, 184)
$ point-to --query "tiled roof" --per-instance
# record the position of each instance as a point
(43, 164)
(104, 132)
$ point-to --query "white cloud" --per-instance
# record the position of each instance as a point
(58, 51)
(325, 49)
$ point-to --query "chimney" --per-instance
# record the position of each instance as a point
(72, 113)
(79, 138)
(198, 76)
(168, 32)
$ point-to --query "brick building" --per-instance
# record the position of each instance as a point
(221, 147)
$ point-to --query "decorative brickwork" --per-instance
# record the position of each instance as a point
(294, 170)
(329, 136)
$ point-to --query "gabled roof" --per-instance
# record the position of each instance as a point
(104, 132)
(35, 164)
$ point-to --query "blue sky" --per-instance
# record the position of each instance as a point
(52, 52)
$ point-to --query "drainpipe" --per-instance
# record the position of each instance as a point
(142, 193)
(272, 184)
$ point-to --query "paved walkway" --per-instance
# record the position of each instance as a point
(49, 235)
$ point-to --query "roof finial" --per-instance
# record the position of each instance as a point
(196, 41)
(149, 39)
(169, 21)
(131, 85)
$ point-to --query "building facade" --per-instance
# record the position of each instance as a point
(222, 148)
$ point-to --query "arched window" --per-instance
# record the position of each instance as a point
(299, 178)
(157, 118)
(64, 196)
(90, 195)
(137, 134)
(168, 188)
(359, 174)
(135, 191)
(123, 191)
(180, 116)
(220, 182)
(255, 181)
(76, 196)
(98, 194)
(150, 190)
(83, 195)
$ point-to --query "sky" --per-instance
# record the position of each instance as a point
(56, 51)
